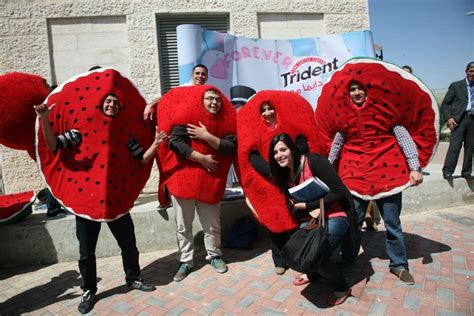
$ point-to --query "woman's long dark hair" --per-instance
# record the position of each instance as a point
(282, 175)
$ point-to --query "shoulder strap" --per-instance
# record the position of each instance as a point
(322, 219)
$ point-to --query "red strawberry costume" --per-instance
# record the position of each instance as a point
(372, 164)
(87, 156)
(18, 93)
(98, 179)
(15, 207)
(294, 116)
(385, 121)
(183, 178)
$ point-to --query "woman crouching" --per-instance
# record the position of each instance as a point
(289, 168)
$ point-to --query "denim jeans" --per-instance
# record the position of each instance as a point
(390, 209)
(339, 234)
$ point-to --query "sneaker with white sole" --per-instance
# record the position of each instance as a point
(141, 285)
(219, 265)
(87, 302)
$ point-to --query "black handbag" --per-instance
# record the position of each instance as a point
(307, 245)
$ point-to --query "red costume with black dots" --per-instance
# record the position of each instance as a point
(19, 92)
(98, 179)
(372, 164)
(294, 116)
(184, 178)
(15, 207)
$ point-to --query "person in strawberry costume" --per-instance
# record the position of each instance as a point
(381, 125)
(57, 144)
(194, 167)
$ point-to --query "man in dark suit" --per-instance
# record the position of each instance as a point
(458, 112)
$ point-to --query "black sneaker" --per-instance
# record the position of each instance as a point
(448, 176)
(87, 302)
(55, 212)
(139, 284)
(164, 207)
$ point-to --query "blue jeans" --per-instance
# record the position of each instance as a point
(390, 209)
(339, 234)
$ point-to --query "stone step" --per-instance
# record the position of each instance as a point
(39, 239)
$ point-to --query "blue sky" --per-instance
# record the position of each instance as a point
(434, 37)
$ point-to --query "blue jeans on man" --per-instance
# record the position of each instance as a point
(390, 208)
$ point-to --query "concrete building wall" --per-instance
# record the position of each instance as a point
(76, 44)
(290, 25)
(58, 38)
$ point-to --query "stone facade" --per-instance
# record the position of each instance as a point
(27, 31)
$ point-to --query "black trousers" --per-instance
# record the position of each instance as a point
(463, 133)
(87, 233)
(278, 240)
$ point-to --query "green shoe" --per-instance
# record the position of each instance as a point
(219, 265)
(182, 272)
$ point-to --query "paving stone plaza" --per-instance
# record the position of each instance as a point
(440, 251)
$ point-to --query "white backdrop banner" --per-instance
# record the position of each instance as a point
(299, 65)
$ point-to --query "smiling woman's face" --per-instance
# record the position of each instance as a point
(111, 106)
(268, 114)
(282, 155)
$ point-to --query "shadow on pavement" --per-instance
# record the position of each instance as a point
(6, 273)
(373, 244)
(43, 295)
(161, 271)
(417, 247)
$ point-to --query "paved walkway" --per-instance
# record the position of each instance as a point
(440, 248)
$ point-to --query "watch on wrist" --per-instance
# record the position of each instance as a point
(418, 169)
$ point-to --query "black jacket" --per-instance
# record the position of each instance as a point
(455, 101)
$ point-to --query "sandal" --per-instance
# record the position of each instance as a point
(301, 279)
(338, 298)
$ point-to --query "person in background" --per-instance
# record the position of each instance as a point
(407, 69)
(198, 77)
(458, 112)
(239, 96)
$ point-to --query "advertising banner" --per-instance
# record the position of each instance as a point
(299, 65)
